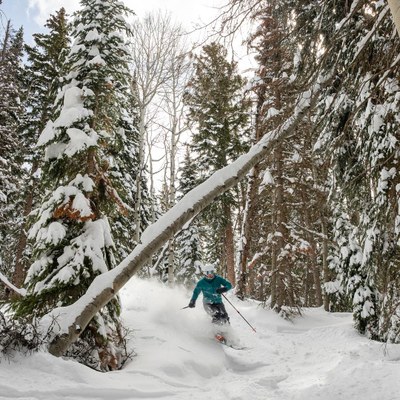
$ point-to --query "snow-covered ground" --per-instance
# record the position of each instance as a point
(318, 356)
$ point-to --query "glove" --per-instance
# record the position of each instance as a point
(221, 290)
(192, 304)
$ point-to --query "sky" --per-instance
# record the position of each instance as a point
(32, 14)
(318, 356)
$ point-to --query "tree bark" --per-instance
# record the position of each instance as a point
(279, 232)
(317, 276)
(248, 221)
(138, 200)
(274, 274)
(6, 39)
(73, 319)
(20, 267)
(313, 256)
(229, 247)
(325, 266)
(172, 198)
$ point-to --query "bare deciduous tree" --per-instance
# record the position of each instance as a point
(174, 127)
(153, 50)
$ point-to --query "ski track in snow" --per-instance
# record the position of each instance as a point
(318, 356)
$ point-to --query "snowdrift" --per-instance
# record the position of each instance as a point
(318, 356)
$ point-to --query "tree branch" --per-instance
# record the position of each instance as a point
(7, 283)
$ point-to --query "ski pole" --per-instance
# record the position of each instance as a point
(248, 323)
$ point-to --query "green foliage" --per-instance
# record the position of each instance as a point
(82, 173)
(358, 133)
(285, 192)
(188, 241)
(218, 110)
(11, 145)
(219, 113)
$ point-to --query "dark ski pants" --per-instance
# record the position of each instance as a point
(217, 312)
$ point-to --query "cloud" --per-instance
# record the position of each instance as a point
(41, 9)
(183, 10)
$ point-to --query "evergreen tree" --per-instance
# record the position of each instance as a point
(220, 114)
(11, 149)
(188, 240)
(45, 62)
(279, 262)
(358, 136)
(73, 241)
(350, 50)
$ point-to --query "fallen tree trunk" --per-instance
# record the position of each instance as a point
(73, 319)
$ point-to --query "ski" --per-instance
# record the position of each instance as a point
(232, 346)
(221, 339)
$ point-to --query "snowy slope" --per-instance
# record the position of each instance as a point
(319, 356)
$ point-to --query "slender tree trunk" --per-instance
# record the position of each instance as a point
(247, 229)
(307, 285)
(279, 231)
(316, 272)
(316, 275)
(250, 283)
(138, 200)
(20, 267)
(171, 260)
(248, 275)
(274, 279)
(151, 190)
(325, 268)
(171, 201)
(6, 39)
(229, 246)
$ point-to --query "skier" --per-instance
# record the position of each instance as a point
(212, 286)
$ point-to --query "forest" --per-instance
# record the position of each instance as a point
(284, 178)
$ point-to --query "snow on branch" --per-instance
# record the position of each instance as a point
(7, 283)
(361, 45)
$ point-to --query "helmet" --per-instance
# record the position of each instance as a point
(208, 269)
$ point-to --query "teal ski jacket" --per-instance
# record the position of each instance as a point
(209, 287)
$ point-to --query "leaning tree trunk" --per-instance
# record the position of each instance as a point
(73, 319)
